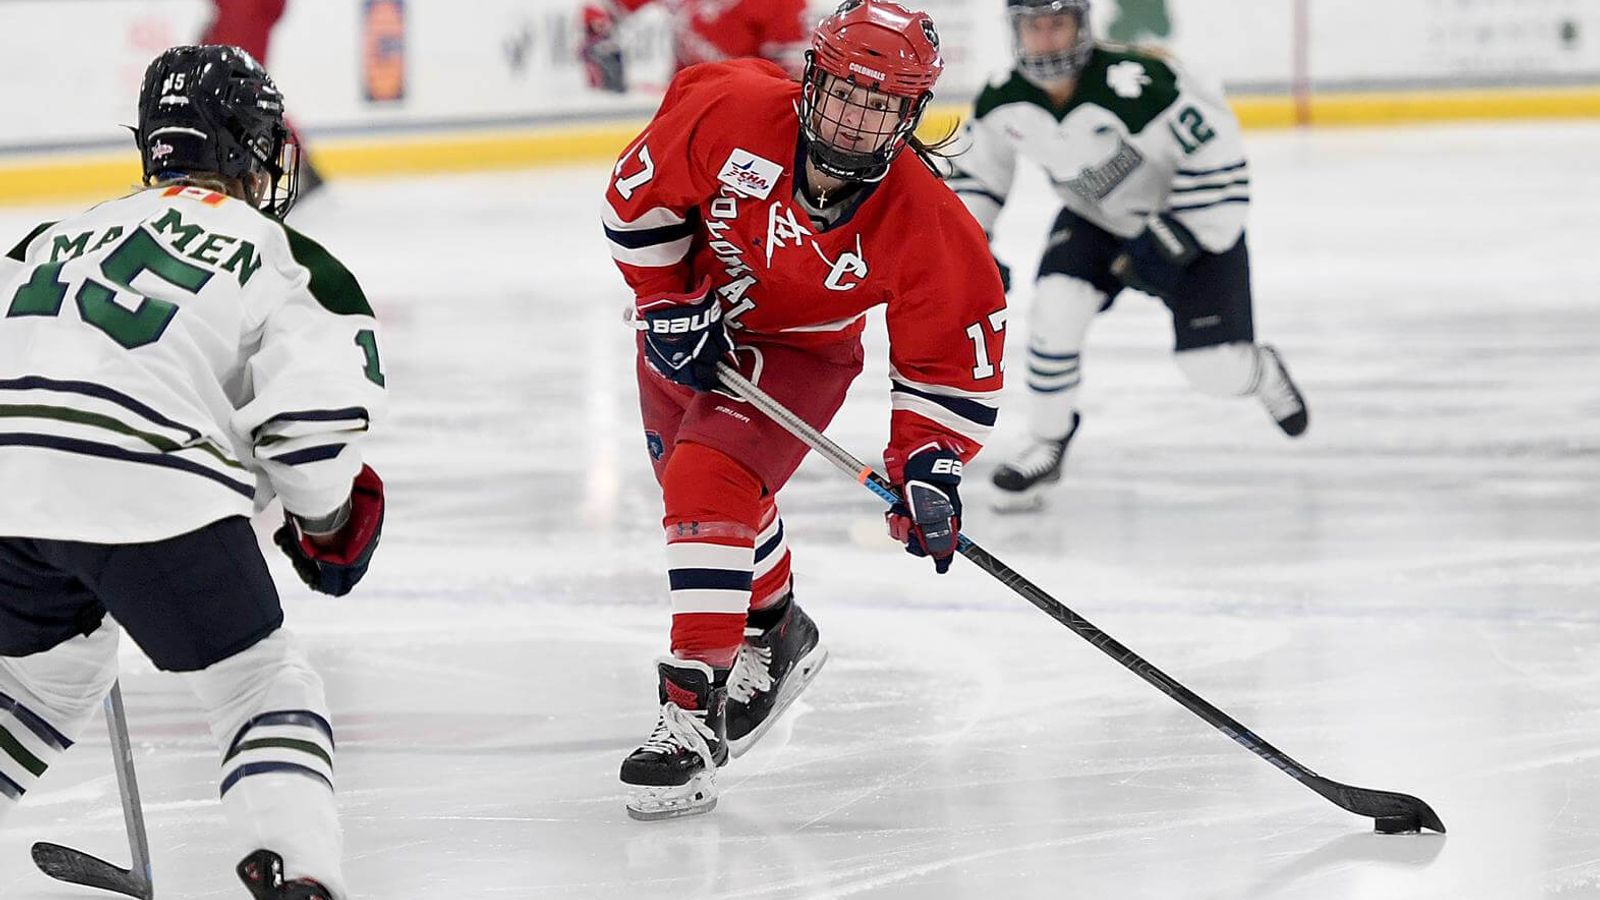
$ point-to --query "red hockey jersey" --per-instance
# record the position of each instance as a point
(714, 30)
(709, 188)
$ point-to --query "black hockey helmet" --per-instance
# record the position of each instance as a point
(1058, 65)
(214, 109)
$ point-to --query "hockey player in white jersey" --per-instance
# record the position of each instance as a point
(170, 361)
(1154, 186)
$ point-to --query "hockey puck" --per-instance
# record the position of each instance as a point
(1398, 825)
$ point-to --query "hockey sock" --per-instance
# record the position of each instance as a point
(28, 745)
(268, 715)
(1058, 320)
(713, 512)
(46, 699)
(771, 576)
(1222, 370)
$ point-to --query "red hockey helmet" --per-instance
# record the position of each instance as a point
(869, 75)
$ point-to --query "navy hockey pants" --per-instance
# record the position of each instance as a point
(1213, 306)
(187, 601)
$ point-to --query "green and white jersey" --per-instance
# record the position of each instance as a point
(1139, 136)
(173, 358)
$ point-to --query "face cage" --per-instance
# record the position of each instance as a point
(284, 174)
(1058, 66)
(853, 165)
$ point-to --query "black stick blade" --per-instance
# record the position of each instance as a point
(77, 867)
(1395, 813)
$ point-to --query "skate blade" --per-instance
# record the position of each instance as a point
(802, 674)
(653, 804)
(1015, 502)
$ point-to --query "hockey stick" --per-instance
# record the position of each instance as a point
(77, 867)
(1394, 813)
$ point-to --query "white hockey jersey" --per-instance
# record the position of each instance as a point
(173, 358)
(1139, 136)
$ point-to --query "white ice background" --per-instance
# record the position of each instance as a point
(1405, 599)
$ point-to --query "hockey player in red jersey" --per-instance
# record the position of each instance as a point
(702, 31)
(757, 220)
(248, 24)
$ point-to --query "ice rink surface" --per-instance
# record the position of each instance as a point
(1406, 599)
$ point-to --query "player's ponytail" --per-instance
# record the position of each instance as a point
(934, 155)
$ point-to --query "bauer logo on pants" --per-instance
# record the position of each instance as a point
(749, 174)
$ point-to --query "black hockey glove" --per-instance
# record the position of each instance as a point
(684, 336)
(1158, 258)
(1005, 273)
(927, 518)
(334, 566)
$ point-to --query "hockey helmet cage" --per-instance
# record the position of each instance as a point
(884, 48)
(1056, 65)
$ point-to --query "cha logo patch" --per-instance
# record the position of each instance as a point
(749, 174)
(1127, 79)
(654, 444)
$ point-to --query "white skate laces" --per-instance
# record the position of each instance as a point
(1021, 480)
(1277, 393)
(752, 673)
(1038, 458)
(678, 729)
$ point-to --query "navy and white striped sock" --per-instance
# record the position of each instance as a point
(28, 745)
(1050, 373)
(295, 741)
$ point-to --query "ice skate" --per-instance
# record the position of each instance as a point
(262, 874)
(674, 770)
(774, 665)
(1279, 395)
(1023, 478)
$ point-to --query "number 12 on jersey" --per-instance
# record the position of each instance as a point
(980, 343)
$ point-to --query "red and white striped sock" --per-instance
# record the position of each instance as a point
(772, 559)
(713, 506)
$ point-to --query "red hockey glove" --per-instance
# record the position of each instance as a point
(599, 51)
(333, 567)
(927, 518)
(684, 336)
